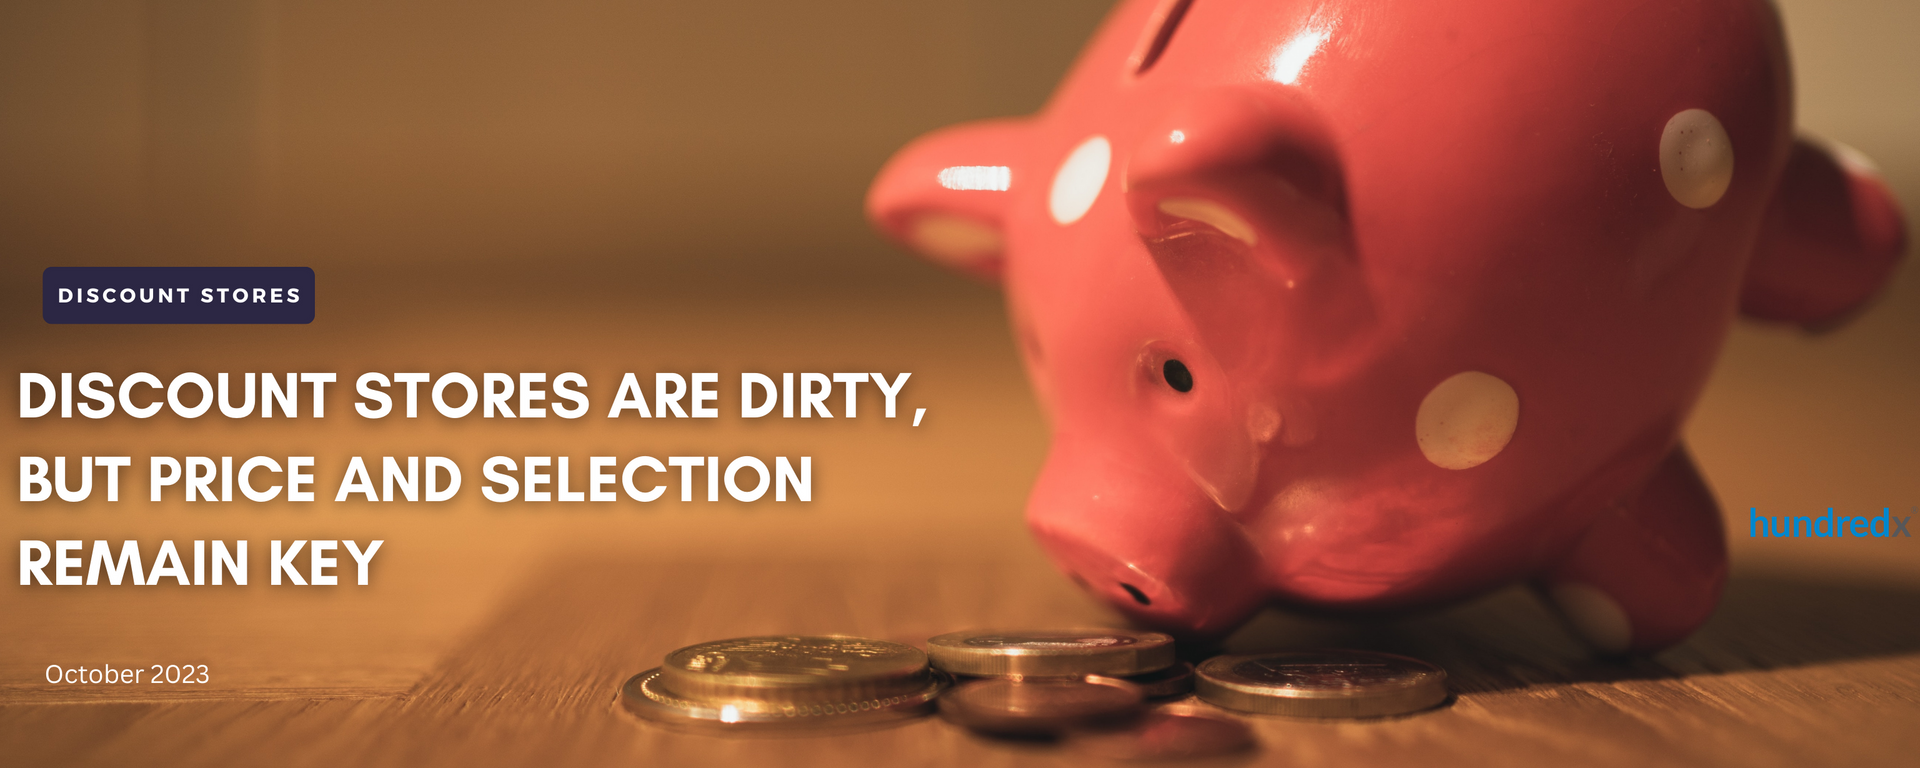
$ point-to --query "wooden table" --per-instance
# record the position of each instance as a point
(498, 634)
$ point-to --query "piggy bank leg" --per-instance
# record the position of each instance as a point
(1650, 570)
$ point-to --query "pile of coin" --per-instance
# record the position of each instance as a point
(786, 681)
(1104, 691)
(1031, 682)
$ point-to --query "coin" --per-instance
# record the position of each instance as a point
(643, 696)
(1322, 683)
(775, 673)
(1176, 680)
(1052, 652)
(1038, 706)
(1177, 733)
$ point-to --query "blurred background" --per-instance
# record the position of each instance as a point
(463, 132)
(657, 132)
(658, 186)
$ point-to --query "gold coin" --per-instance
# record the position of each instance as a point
(644, 697)
(777, 673)
(1039, 706)
(1052, 652)
(1322, 683)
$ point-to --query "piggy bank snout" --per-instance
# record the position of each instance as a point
(1161, 553)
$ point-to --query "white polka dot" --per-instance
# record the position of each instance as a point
(1263, 422)
(1466, 420)
(1211, 214)
(1594, 615)
(1077, 184)
(954, 239)
(1696, 158)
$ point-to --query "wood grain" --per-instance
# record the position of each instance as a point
(498, 635)
(1794, 670)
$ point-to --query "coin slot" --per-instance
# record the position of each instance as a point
(1139, 596)
(1160, 29)
(1181, 379)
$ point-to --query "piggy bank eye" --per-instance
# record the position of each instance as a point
(1177, 376)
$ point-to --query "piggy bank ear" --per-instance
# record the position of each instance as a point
(1240, 196)
(945, 194)
(1243, 161)
(1831, 238)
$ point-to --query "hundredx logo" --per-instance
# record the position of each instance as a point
(1885, 525)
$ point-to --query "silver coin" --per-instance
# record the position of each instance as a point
(645, 697)
(1168, 683)
(1052, 652)
(1322, 683)
(779, 672)
(1039, 706)
(1176, 680)
(1180, 733)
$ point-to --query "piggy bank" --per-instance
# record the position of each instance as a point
(1369, 305)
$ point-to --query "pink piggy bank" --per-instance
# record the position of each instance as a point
(1366, 305)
